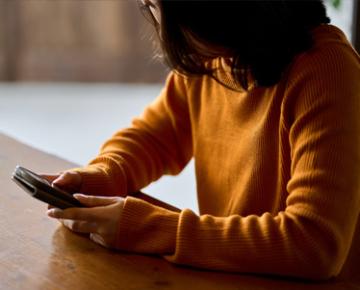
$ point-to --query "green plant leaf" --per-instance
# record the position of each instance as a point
(336, 3)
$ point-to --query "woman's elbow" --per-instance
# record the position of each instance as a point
(326, 260)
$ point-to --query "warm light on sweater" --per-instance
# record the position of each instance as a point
(278, 169)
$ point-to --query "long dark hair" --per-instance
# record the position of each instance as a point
(260, 38)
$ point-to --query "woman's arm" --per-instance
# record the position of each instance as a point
(311, 237)
(157, 143)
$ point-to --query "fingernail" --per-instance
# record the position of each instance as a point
(55, 183)
(55, 212)
(58, 180)
(79, 195)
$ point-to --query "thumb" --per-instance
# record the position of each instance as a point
(49, 177)
(68, 181)
(92, 200)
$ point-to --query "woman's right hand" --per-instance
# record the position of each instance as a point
(69, 181)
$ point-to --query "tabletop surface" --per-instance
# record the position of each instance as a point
(38, 253)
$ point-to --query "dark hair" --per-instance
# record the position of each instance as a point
(260, 37)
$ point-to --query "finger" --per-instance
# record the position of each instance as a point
(69, 181)
(75, 213)
(49, 177)
(92, 201)
(80, 226)
(98, 239)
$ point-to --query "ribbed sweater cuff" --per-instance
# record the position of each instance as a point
(95, 181)
(146, 228)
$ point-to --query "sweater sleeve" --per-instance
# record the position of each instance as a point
(311, 237)
(148, 149)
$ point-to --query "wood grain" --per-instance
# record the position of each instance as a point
(37, 253)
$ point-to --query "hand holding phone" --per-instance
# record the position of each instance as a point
(41, 189)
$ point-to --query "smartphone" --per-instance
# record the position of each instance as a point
(41, 189)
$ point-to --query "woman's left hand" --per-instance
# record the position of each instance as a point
(100, 217)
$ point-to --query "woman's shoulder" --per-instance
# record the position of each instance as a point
(329, 40)
(326, 33)
(331, 55)
(328, 73)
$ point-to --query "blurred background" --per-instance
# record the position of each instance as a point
(76, 40)
(72, 72)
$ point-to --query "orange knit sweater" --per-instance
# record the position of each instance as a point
(277, 169)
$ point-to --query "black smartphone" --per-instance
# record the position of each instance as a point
(41, 189)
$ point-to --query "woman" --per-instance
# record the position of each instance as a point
(267, 101)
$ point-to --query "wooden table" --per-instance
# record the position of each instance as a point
(37, 253)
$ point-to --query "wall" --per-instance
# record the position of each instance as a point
(105, 40)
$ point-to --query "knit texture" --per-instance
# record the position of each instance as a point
(277, 169)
